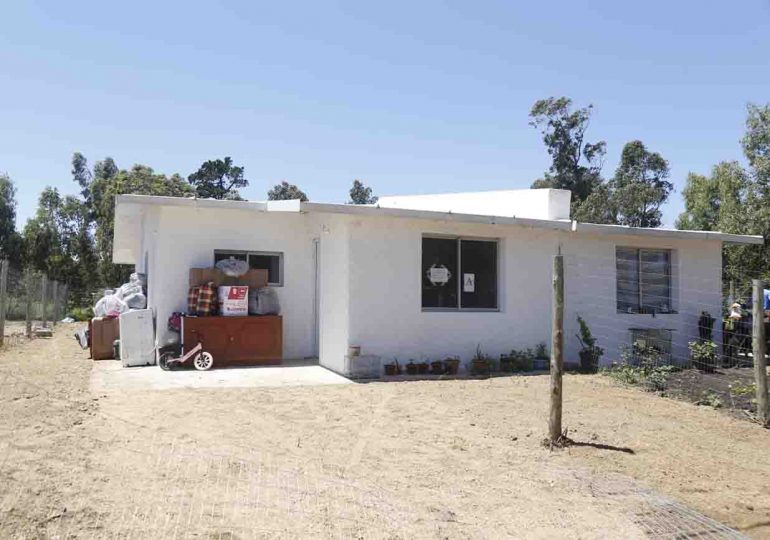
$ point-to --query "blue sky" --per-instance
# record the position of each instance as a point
(411, 97)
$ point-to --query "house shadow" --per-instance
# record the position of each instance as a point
(462, 376)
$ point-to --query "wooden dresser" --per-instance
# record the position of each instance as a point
(236, 340)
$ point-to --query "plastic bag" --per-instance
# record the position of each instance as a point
(233, 267)
(267, 302)
(136, 301)
(138, 279)
(110, 306)
(129, 289)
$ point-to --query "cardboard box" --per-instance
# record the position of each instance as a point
(233, 300)
(253, 278)
(104, 331)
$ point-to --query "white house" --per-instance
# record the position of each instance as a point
(435, 275)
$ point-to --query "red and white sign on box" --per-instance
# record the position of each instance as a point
(234, 300)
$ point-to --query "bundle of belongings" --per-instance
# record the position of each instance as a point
(104, 330)
(126, 297)
(230, 289)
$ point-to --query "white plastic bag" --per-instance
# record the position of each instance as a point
(233, 267)
(136, 301)
(129, 289)
(110, 306)
(267, 302)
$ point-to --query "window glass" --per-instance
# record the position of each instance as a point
(478, 267)
(439, 273)
(655, 280)
(271, 263)
(643, 280)
(627, 264)
(222, 255)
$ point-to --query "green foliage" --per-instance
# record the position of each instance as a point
(703, 354)
(218, 179)
(576, 164)
(286, 192)
(10, 241)
(517, 361)
(739, 389)
(640, 186)
(590, 352)
(651, 377)
(82, 314)
(736, 200)
(710, 399)
(361, 194)
(541, 350)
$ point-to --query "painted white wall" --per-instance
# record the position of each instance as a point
(370, 282)
(187, 238)
(523, 203)
(385, 291)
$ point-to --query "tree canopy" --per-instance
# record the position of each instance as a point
(218, 179)
(286, 192)
(361, 194)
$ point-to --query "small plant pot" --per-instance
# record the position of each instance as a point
(412, 368)
(437, 368)
(452, 366)
(588, 361)
(506, 364)
(391, 369)
(423, 368)
(480, 367)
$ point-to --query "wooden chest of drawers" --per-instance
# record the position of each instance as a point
(236, 340)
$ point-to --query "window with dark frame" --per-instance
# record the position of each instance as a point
(258, 260)
(459, 274)
(643, 280)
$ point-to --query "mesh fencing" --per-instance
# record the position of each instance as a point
(667, 326)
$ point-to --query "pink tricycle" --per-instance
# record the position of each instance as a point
(201, 359)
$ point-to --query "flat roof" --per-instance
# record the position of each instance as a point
(374, 211)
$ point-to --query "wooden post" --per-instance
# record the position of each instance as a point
(29, 278)
(759, 346)
(3, 297)
(557, 350)
(44, 299)
(63, 300)
(55, 295)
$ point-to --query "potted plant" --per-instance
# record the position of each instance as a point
(506, 363)
(704, 355)
(481, 363)
(411, 368)
(542, 359)
(393, 368)
(422, 368)
(590, 352)
(451, 365)
(437, 367)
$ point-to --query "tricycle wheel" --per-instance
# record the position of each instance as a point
(164, 361)
(203, 361)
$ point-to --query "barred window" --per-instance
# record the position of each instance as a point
(643, 280)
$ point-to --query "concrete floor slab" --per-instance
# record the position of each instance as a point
(109, 375)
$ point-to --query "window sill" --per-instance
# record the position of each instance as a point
(460, 310)
(620, 312)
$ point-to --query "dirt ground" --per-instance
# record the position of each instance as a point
(730, 389)
(422, 459)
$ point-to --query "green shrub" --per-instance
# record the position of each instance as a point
(704, 355)
(82, 314)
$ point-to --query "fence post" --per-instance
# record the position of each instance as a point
(759, 345)
(29, 278)
(557, 350)
(44, 298)
(64, 291)
(55, 294)
(3, 297)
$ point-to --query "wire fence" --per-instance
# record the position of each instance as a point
(30, 303)
(669, 326)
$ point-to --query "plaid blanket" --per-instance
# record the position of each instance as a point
(207, 300)
(192, 300)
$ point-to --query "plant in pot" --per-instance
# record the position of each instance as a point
(542, 359)
(411, 368)
(423, 368)
(437, 367)
(451, 365)
(704, 355)
(393, 368)
(590, 352)
(481, 364)
(507, 362)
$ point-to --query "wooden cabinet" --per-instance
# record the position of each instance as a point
(236, 340)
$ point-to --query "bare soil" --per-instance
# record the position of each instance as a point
(422, 459)
(729, 389)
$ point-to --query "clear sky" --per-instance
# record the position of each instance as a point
(411, 97)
